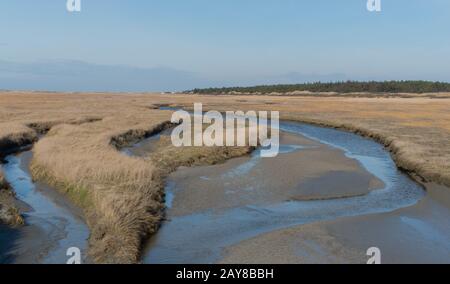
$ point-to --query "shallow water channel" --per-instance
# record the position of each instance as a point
(320, 174)
(52, 224)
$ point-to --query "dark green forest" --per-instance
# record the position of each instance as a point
(417, 87)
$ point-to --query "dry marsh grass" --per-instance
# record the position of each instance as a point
(9, 214)
(120, 194)
(13, 135)
(169, 158)
(2, 180)
(123, 196)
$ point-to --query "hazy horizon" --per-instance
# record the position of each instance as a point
(175, 45)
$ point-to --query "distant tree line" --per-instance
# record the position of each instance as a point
(417, 87)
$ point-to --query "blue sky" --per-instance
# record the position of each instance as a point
(179, 44)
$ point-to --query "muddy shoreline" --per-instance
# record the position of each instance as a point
(11, 208)
(403, 163)
(52, 223)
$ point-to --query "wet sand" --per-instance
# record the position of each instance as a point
(304, 170)
(417, 234)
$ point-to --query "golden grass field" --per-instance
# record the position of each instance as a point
(123, 196)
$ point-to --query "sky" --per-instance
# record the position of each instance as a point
(168, 45)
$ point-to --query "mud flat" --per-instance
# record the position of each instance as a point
(52, 224)
(320, 175)
(328, 174)
(414, 235)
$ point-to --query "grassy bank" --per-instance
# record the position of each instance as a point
(13, 137)
(9, 214)
(407, 157)
(122, 196)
